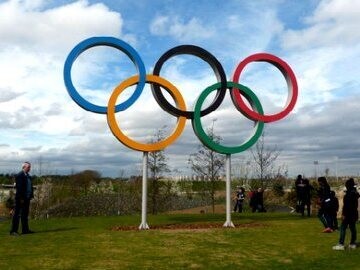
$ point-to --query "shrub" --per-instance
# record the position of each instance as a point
(278, 189)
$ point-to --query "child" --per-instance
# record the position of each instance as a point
(349, 215)
(240, 196)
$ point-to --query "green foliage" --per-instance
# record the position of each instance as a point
(278, 189)
(7, 179)
(255, 184)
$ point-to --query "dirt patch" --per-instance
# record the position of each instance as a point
(189, 226)
(219, 209)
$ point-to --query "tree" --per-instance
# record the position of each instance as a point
(157, 165)
(208, 165)
(264, 158)
(82, 180)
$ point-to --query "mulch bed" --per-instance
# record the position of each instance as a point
(188, 226)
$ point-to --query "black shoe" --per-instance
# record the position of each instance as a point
(28, 232)
(14, 234)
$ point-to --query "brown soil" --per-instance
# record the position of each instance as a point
(189, 226)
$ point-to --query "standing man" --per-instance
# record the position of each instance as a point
(307, 198)
(24, 193)
(300, 187)
(324, 202)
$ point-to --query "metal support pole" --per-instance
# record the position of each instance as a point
(228, 222)
(144, 225)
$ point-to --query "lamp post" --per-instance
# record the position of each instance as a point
(336, 169)
(316, 164)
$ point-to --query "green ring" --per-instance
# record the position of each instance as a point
(206, 140)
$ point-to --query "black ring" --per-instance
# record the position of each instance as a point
(208, 58)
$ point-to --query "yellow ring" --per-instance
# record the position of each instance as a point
(115, 129)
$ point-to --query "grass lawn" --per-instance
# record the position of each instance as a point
(260, 241)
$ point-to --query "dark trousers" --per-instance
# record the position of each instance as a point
(301, 203)
(335, 224)
(238, 206)
(352, 225)
(308, 208)
(21, 211)
(325, 218)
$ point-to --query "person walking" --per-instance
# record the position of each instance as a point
(24, 193)
(350, 215)
(324, 202)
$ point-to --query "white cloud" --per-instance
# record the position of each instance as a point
(34, 102)
(333, 23)
(6, 94)
(192, 30)
(55, 29)
(324, 54)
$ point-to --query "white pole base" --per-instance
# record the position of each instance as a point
(144, 226)
(229, 224)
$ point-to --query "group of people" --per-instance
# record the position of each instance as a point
(303, 195)
(256, 200)
(329, 207)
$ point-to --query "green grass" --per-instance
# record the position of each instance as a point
(260, 241)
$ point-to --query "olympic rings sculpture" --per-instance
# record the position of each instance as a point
(237, 91)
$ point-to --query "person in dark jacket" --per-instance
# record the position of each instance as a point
(300, 192)
(350, 215)
(303, 195)
(307, 196)
(334, 208)
(257, 201)
(324, 203)
(24, 193)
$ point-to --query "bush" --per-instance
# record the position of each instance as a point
(96, 204)
(278, 189)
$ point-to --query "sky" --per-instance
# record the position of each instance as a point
(40, 123)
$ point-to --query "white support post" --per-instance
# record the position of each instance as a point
(144, 225)
(228, 222)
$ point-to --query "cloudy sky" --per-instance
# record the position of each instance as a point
(40, 122)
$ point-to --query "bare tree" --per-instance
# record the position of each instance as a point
(264, 158)
(209, 165)
(157, 164)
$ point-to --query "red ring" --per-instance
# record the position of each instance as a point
(290, 80)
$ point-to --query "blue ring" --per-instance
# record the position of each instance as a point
(111, 42)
